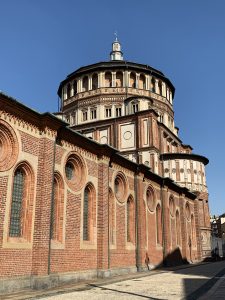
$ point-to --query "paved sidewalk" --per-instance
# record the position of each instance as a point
(217, 292)
(188, 282)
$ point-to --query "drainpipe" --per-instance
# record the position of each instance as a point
(136, 219)
(51, 208)
(162, 220)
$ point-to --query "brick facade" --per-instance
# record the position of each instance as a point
(156, 228)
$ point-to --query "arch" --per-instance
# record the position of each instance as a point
(108, 79)
(130, 220)
(158, 224)
(94, 81)
(153, 84)
(119, 79)
(89, 213)
(142, 82)
(193, 231)
(85, 83)
(68, 91)
(178, 232)
(132, 80)
(75, 87)
(112, 219)
(160, 87)
(21, 214)
(58, 209)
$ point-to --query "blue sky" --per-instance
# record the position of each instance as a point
(42, 41)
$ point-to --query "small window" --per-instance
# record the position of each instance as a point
(135, 107)
(85, 115)
(108, 112)
(94, 81)
(68, 91)
(75, 87)
(93, 114)
(133, 80)
(118, 111)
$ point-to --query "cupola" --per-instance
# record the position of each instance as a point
(116, 53)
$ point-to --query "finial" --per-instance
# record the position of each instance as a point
(115, 33)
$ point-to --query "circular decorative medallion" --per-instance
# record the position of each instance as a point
(127, 135)
(8, 146)
(103, 140)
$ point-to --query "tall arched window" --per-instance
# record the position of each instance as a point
(112, 225)
(130, 220)
(142, 84)
(22, 202)
(193, 233)
(94, 81)
(68, 91)
(158, 225)
(58, 209)
(132, 80)
(85, 84)
(178, 228)
(108, 79)
(119, 79)
(89, 213)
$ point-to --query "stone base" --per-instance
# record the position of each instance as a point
(19, 283)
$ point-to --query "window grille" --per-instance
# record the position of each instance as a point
(17, 204)
(85, 215)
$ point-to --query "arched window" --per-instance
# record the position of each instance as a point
(58, 209)
(112, 225)
(21, 214)
(89, 213)
(108, 79)
(75, 87)
(130, 220)
(178, 228)
(142, 84)
(94, 81)
(85, 84)
(132, 80)
(68, 91)
(119, 79)
(158, 225)
(193, 233)
(160, 87)
(153, 84)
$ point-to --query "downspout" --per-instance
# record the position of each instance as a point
(51, 208)
(162, 220)
(109, 253)
(136, 219)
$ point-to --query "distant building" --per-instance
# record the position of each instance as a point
(218, 234)
(101, 195)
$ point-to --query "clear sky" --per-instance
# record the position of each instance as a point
(42, 41)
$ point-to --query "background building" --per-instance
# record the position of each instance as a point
(100, 199)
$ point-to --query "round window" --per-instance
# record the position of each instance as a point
(150, 199)
(75, 171)
(120, 187)
(8, 146)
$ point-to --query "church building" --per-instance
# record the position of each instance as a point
(103, 187)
